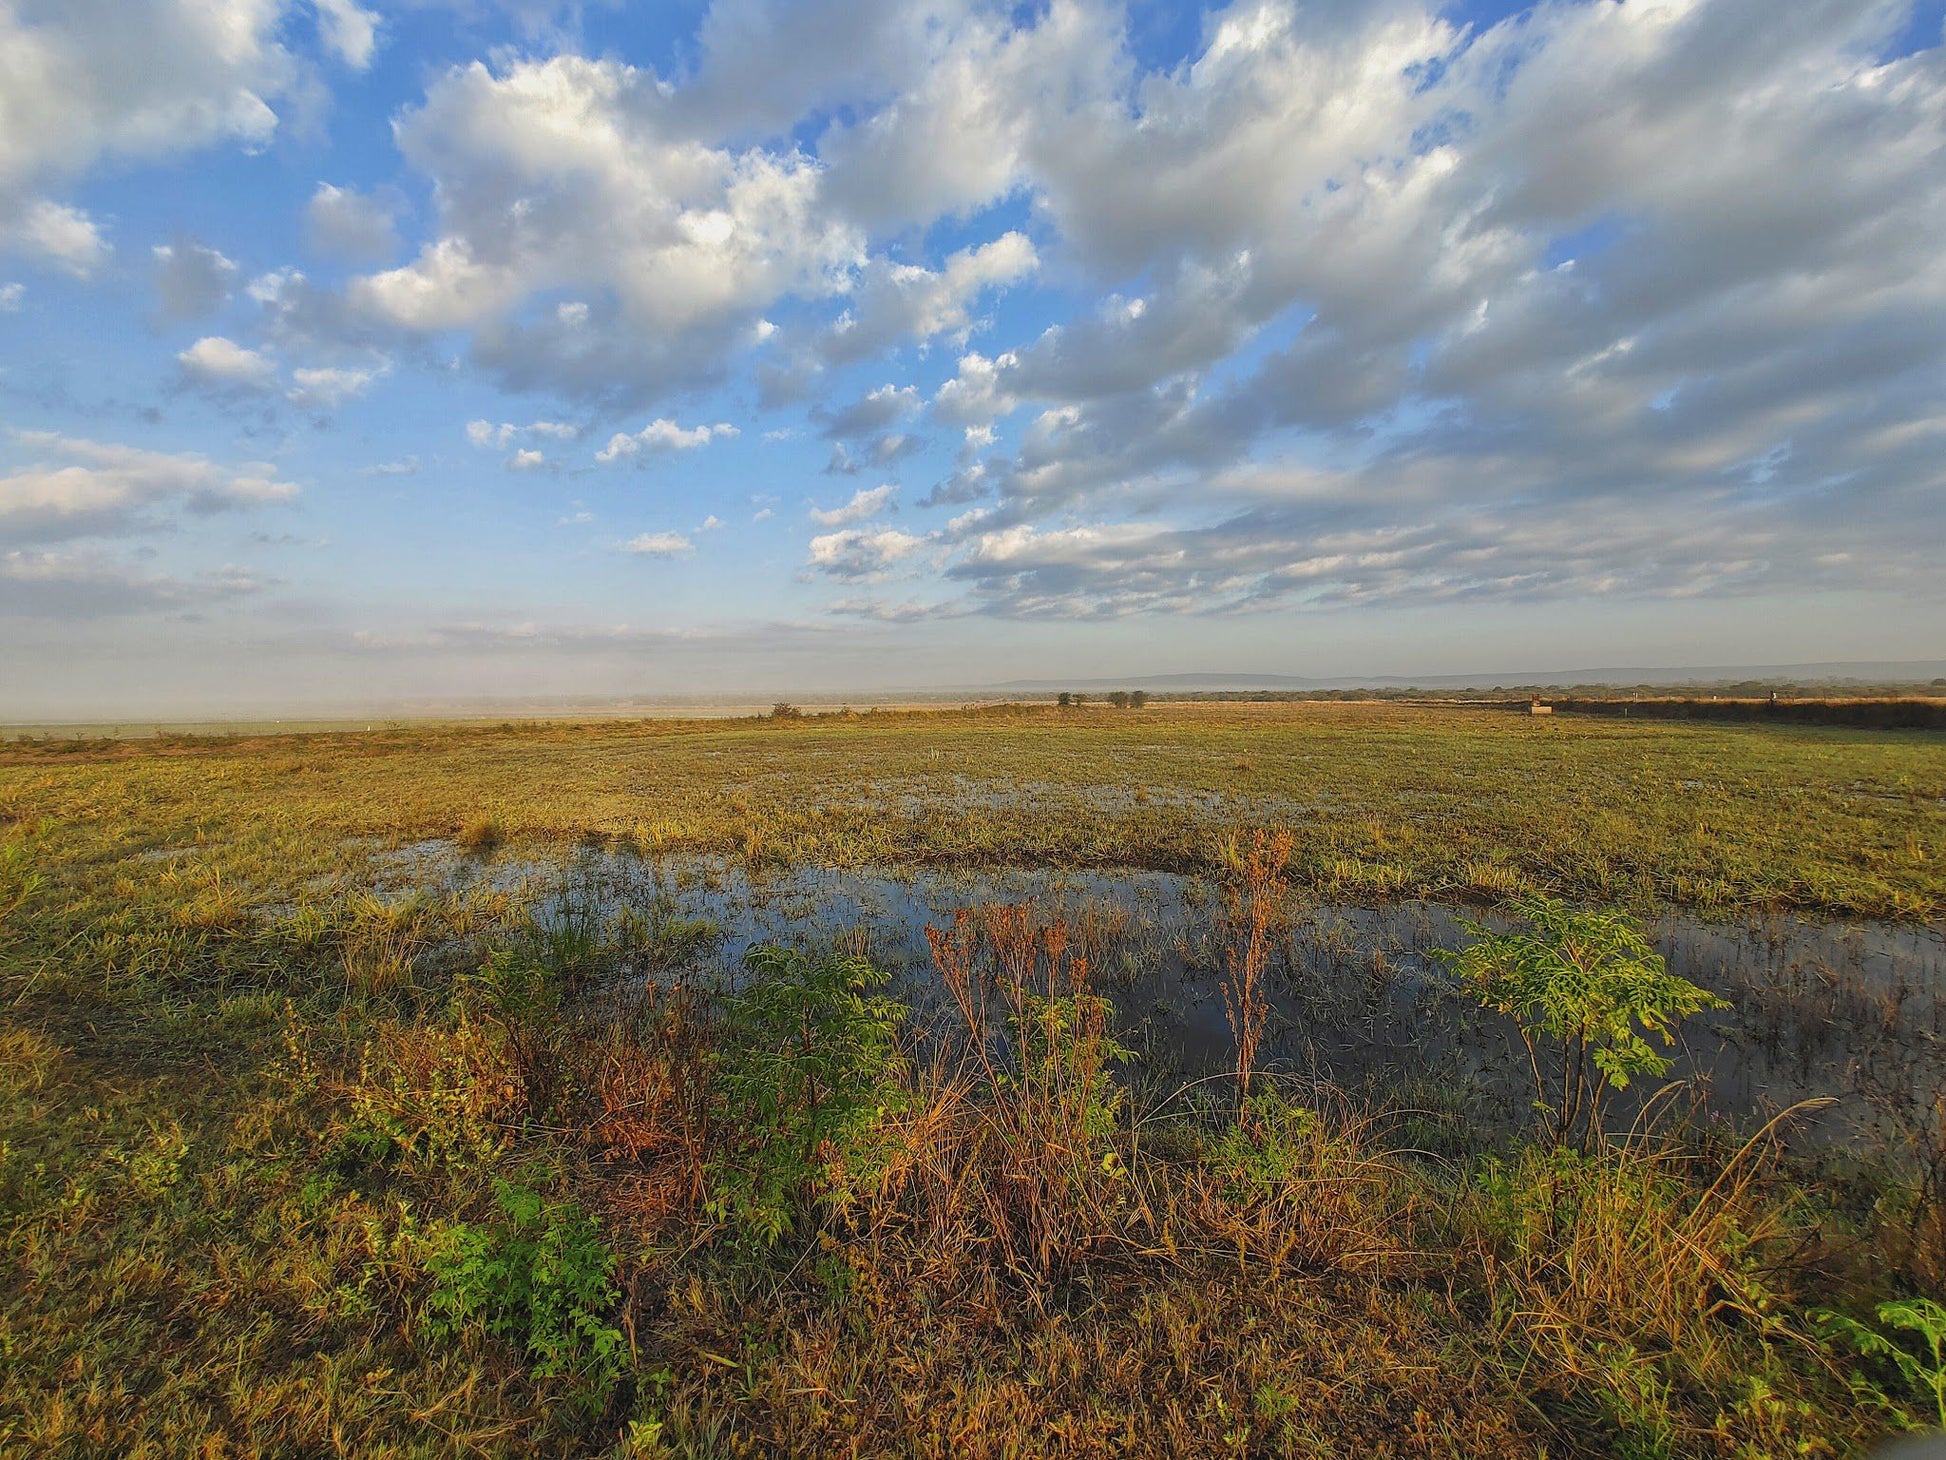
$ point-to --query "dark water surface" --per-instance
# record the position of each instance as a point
(1850, 1011)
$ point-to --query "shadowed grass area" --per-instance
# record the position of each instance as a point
(291, 1167)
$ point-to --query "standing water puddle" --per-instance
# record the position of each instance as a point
(1847, 1010)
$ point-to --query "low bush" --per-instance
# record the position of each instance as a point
(808, 1074)
(1591, 999)
(1908, 1343)
(481, 834)
(1636, 1286)
(538, 1277)
(1285, 1185)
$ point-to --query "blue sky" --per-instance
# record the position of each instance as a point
(354, 351)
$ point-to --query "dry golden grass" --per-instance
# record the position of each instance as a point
(243, 1101)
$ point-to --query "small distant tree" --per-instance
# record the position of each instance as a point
(1064, 699)
(1137, 699)
(1585, 988)
(1119, 699)
(1081, 699)
(784, 710)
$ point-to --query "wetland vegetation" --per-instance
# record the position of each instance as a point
(1283, 1079)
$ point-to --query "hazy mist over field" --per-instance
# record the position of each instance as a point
(368, 349)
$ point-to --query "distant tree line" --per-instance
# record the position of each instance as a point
(1121, 699)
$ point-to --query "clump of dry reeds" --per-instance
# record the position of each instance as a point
(1606, 1273)
(1012, 1156)
(481, 834)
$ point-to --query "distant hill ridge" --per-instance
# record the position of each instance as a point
(1867, 672)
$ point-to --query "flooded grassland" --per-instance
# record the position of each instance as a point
(876, 1085)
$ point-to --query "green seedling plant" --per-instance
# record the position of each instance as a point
(539, 1278)
(1589, 986)
(1064, 1052)
(1267, 1148)
(1924, 1372)
(807, 1076)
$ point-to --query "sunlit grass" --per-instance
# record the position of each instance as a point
(304, 1151)
(1380, 800)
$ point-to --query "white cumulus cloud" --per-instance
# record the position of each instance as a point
(659, 545)
(345, 223)
(137, 80)
(326, 387)
(865, 502)
(66, 237)
(862, 554)
(82, 488)
(659, 436)
(349, 30)
(220, 364)
(191, 278)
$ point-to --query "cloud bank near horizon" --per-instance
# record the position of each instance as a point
(1283, 313)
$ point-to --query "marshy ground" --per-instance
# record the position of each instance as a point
(869, 1085)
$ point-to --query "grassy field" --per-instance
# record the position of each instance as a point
(290, 1168)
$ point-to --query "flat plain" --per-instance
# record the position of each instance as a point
(392, 1092)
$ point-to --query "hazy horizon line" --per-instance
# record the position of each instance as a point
(1847, 673)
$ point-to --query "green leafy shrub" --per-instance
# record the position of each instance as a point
(1588, 987)
(807, 1075)
(1270, 1146)
(1922, 1373)
(538, 1278)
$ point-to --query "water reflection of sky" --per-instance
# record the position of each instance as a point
(1357, 996)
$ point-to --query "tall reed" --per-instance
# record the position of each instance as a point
(1255, 886)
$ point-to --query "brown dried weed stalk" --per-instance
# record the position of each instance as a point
(1254, 888)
